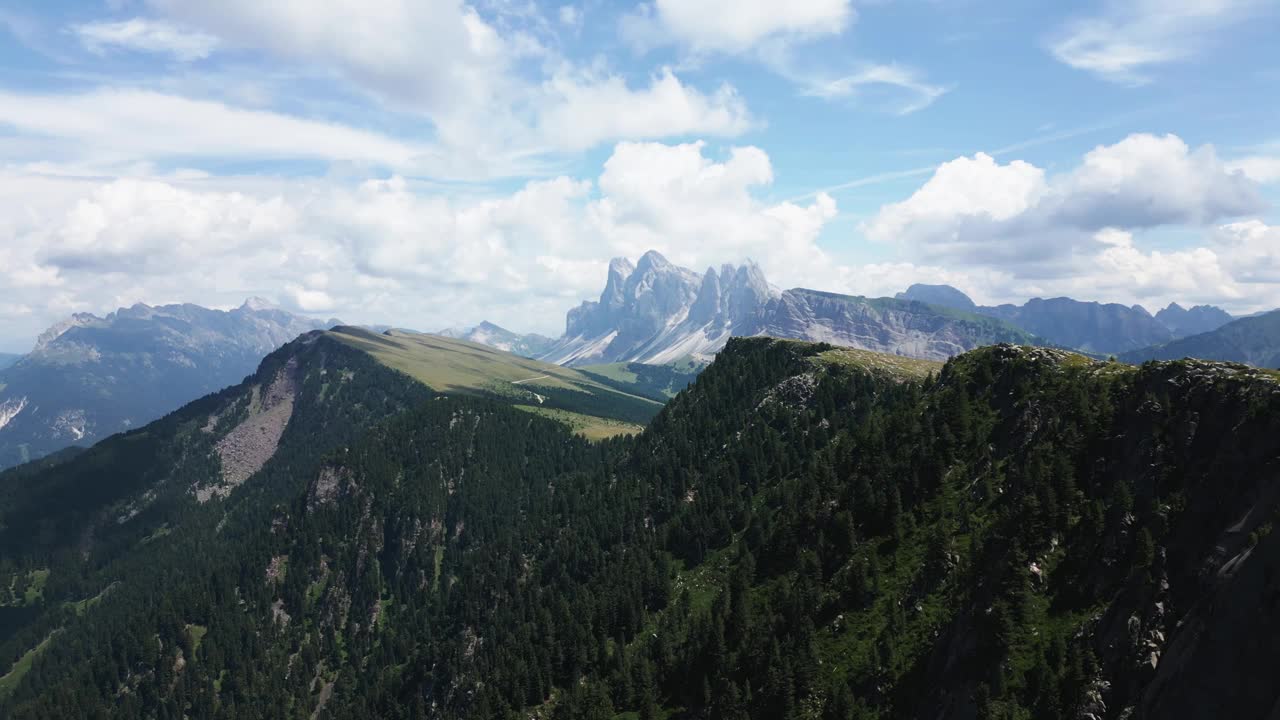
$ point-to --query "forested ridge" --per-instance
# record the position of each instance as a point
(802, 534)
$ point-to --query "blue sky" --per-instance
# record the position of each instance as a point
(437, 163)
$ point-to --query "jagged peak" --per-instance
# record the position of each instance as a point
(621, 266)
(653, 260)
(256, 303)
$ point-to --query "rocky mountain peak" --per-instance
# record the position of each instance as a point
(258, 304)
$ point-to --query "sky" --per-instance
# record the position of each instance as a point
(435, 163)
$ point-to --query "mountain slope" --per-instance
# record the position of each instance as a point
(657, 313)
(595, 408)
(7, 359)
(90, 377)
(1253, 341)
(807, 531)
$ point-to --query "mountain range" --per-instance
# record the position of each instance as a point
(89, 377)
(1252, 340)
(657, 312)
(1105, 328)
(805, 532)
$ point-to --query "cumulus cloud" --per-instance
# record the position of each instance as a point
(977, 210)
(700, 211)
(1252, 249)
(1132, 36)
(1259, 168)
(706, 26)
(395, 251)
(580, 112)
(1014, 231)
(145, 35)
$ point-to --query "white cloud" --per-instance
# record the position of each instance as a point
(427, 53)
(1259, 168)
(976, 210)
(497, 94)
(1252, 249)
(570, 16)
(917, 93)
(144, 35)
(132, 125)
(711, 26)
(1132, 36)
(390, 251)
(1014, 232)
(1147, 180)
(580, 112)
(769, 32)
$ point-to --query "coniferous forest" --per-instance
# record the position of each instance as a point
(803, 533)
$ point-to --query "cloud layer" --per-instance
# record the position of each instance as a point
(388, 251)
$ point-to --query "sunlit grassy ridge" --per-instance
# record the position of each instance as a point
(895, 365)
(453, 366)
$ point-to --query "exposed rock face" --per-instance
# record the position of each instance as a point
(253, 442)
(89, 377)
(657, 312)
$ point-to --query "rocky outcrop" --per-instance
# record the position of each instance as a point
(254, 441)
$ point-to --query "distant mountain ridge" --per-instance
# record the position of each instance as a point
(1083, 325)
(88, 377)
(1199, 319)
(1253, 341)
(656, 312)
(531, 345)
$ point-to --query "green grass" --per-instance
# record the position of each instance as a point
(437, 563)
(618, 372)
(35, 587)
(893, 365)
(23, 665)
(160, 532)
(82, 606)
(588, 426)
(197, 633)
(460, 367)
